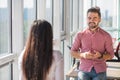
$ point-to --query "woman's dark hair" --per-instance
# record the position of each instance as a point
(95, 9)
(38, 54)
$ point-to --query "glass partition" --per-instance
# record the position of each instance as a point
(5, 72)
(49, 11)
(109, 14)
(29, 15)
(5, 24)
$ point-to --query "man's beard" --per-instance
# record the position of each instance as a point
(92, 25)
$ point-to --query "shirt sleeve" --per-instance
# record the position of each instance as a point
(77, 42)
(109, 45)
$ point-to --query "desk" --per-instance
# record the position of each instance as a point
(113, 70)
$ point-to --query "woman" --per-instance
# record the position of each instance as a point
(39, 61)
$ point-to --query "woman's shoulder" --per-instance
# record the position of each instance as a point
(20, 57)
(57, 55)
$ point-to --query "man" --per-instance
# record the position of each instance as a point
(93, 47)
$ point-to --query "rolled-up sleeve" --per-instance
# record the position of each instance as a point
(109, 45)
(77, 43)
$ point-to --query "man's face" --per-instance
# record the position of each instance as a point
(93, 20)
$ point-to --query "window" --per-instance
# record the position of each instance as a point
(75, 15)
(81, 19)
(5, 72)
(62, 16)
(5, 26)
(49, 11)
(71, 15)
(109, 16)
(29, 15)
(87, 4)
(5, 38)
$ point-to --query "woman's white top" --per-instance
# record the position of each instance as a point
(56, 71)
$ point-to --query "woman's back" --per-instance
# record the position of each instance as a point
(57, 68)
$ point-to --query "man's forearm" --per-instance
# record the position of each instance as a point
(75, 54)
(107, 56)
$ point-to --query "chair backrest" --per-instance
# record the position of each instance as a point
(117, 51)
(73, 58)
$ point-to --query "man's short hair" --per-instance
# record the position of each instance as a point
(94, 9)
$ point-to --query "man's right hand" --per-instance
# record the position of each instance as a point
(87, 55)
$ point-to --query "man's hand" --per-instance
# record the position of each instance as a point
(97, 55)
(91, 55)
(87, 55)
